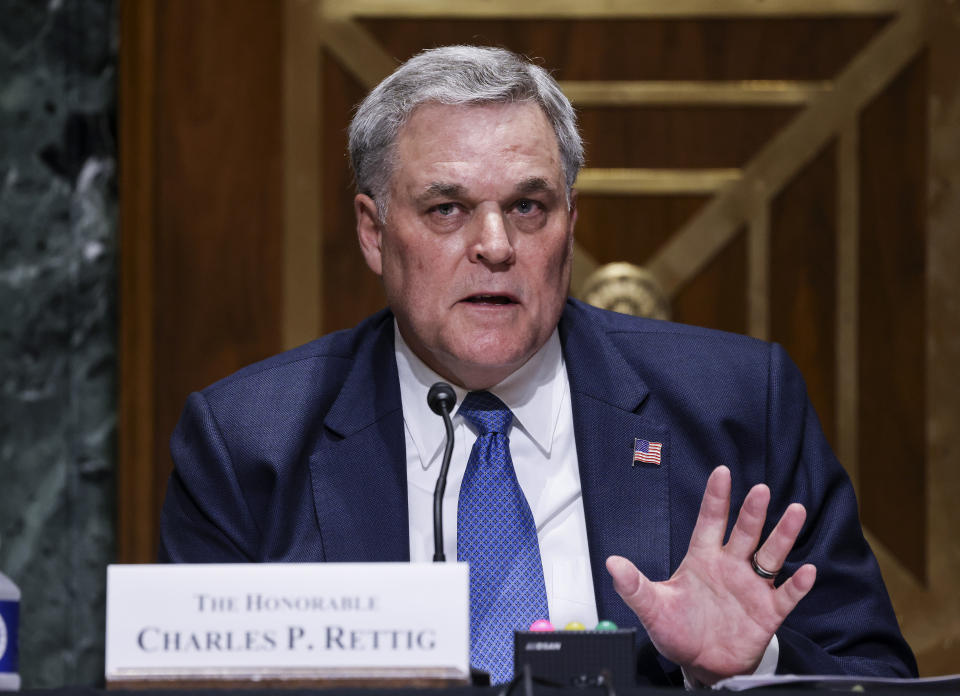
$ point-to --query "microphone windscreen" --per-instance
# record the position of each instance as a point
(441, 397)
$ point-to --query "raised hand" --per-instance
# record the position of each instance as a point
(716, 614)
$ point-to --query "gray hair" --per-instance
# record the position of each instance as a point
(453, 75)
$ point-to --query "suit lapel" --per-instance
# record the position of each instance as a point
(627, 506)
(359, 470)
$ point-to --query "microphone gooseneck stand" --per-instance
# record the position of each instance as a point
(441, 399)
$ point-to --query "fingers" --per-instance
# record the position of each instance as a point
(773, 553)
(624, 575)
(714, 509)
(632, 585)
(789, 594)
(745, 534)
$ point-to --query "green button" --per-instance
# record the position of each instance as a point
(606, 626)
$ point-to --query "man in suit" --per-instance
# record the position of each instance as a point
(602, 431)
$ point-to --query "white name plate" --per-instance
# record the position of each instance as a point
(301, 622)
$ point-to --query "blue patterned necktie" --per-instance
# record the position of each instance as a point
(497, 536)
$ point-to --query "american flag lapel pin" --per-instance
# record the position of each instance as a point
(646, 451)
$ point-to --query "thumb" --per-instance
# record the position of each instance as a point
(632, 585)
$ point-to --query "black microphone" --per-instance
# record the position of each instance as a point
(441, 399)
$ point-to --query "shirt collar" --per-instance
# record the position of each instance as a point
(534, 393)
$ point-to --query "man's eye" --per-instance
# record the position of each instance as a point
(445, 209)
(525, 206)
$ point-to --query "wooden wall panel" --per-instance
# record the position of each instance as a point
(215, 231)
(642, 224)
(136, 489)
(651, 49)
(678, 137)
(351, 289)
(893, 317)
(219, 191)
(717, 297)
(803, 269)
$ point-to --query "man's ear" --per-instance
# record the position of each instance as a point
(573, 208)
(573, 214)
(369, 231)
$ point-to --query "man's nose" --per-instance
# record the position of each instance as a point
(493, 244)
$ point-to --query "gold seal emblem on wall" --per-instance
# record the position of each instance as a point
(626, 288)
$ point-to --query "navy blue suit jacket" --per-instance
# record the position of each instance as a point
(302, 458)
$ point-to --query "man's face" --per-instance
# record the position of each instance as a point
(476, 250)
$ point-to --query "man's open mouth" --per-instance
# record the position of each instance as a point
(489, 299)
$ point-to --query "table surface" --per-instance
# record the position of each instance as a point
(952, 687)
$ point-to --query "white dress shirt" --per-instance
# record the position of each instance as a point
(544, 453)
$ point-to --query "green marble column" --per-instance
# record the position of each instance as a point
(58, 327)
